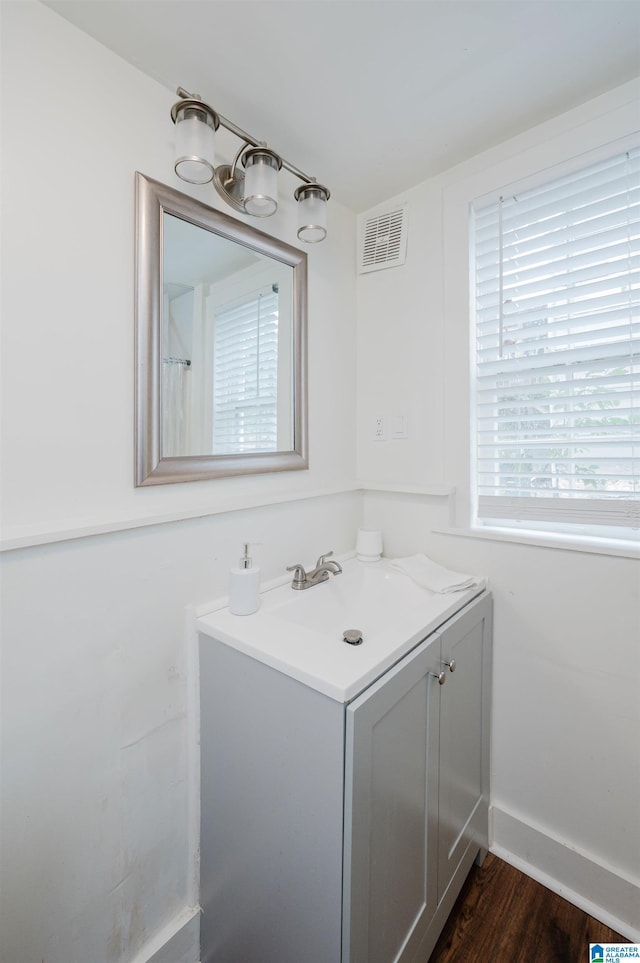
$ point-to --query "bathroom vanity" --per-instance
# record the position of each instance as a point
(344, 787)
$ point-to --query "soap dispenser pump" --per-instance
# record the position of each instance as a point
(244, 586)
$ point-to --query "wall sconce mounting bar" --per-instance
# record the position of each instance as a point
(243, 135)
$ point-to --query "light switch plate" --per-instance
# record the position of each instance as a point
(398, 425)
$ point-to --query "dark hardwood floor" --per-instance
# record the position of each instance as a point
(503, 916)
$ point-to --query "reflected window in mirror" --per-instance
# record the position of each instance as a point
(246, 354)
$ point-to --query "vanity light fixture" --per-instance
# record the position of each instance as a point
(261, 181)
(252, 191)
(312, 212)
(196, 125)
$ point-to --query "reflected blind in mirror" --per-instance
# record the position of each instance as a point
(246, 374)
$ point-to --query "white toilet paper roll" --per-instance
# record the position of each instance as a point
(368, 545)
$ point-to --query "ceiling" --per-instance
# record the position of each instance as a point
(374, 96)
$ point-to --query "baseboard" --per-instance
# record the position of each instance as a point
(596, 889)
(177, 942)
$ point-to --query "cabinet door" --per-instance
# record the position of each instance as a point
(464, 740)
(391, 799)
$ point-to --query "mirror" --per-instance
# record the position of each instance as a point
(220, 343)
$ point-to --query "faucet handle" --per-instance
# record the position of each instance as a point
(299, 574)
(323, 559)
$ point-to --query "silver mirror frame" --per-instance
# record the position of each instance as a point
(153, 200)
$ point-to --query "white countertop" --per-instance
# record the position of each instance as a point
(300, 633)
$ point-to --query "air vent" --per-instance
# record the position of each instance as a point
(382, 240)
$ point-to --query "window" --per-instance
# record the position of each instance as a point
(245, 348)
(557, 354)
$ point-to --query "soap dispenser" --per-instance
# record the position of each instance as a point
(244, 586)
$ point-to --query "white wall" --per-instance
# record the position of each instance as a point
(99, 796)
(566, 722)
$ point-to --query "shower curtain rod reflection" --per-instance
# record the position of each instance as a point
(184, 361)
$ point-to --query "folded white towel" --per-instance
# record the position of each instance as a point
(428, 574)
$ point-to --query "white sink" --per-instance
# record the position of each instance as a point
(300, 633)
(368, 596)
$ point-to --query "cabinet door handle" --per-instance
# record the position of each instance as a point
(451, 664)
(440, 676)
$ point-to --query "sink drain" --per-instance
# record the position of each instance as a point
(352, 636)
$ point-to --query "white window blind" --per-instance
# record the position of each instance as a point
(557, 344)
(245, 361)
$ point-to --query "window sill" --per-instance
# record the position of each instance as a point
(571, 543)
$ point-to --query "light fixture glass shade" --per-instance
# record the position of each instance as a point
(195, 134)
(312, 212)
(261, 181)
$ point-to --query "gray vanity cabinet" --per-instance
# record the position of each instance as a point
(464, 743)
(391, 811)
(335, 833)
(416, 792)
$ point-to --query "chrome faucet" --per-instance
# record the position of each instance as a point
(324, 568)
